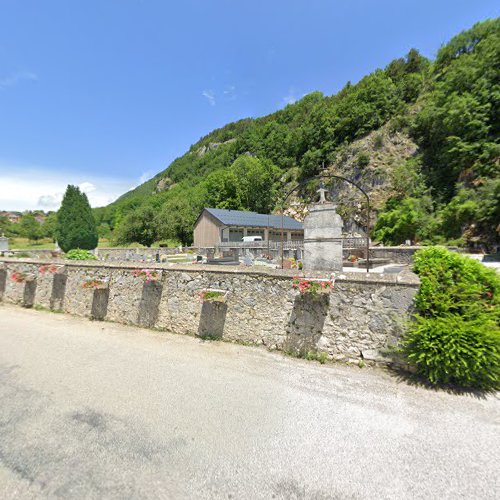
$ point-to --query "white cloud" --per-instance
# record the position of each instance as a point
(230, 93)
(15, 78)
(30, 188)
(210, 95)
(87, 187)
(50, 201)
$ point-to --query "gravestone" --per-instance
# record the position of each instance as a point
(4, 243)
(323, 236)
(248, 259)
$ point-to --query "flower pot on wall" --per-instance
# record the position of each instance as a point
(313, 286)
(214, 295)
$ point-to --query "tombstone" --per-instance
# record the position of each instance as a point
(323, 236)
(4, 243)
(248, 259)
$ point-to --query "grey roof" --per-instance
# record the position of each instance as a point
(253, 219)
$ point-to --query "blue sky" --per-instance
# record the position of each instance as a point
(106, 93)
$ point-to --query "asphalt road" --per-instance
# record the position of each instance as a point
(97, 410)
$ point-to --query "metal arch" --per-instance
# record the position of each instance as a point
(329, 176)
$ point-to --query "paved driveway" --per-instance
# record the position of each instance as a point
(97, 410)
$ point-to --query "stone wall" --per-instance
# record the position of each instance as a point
(138, 254)
(361, 317)
(134, 254)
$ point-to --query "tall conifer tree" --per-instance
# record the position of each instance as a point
(76, 227)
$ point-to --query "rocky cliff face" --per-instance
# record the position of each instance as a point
(371, 163)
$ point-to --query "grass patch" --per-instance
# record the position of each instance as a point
(39, 307)
(25, 244)
(321, 357)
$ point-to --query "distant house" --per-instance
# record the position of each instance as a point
(40, 218)
(13, 217)
(216, 225)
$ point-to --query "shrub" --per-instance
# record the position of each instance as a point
(79, 254)
(449, 349)
(378, 141)
(455, 338)
(363, 159)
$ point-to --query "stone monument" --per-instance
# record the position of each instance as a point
(323, 236)
(4, 243)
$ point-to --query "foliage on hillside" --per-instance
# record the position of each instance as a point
(447, 188)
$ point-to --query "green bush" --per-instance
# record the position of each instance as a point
(378, 141)
(455, 338)
(79, 254)
(363, 159)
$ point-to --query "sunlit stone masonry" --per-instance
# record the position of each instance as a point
(361, 317)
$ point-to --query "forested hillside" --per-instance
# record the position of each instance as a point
(421, 137)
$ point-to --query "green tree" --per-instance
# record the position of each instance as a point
(458, 127)
(49, 226)
(5, 225)
(248, 184)
(178, 216)
(30, 227)
(76, 226)
(104, 231)
(402, 220)
(256, 183)
(138, 226)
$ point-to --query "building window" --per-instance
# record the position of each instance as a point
(276, 235)
(235, 234)
(256, 232)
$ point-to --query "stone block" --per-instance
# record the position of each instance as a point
(149, 304)
(100, 304)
